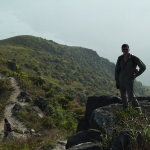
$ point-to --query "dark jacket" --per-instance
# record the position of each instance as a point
(124, 70)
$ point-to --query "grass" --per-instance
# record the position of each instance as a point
(137, 124)
(5, 91)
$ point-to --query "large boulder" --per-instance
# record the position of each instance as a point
(95, 102)
(103, 118)
(84, 136)
(82, 125)
(40, 102)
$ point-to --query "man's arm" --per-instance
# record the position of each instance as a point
(141, 65)
(117, 71)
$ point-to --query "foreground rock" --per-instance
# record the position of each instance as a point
(83, 137)
(88, 146)
(122, 141)
(93, 103)
(101, 115)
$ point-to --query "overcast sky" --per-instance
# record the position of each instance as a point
(101, 25)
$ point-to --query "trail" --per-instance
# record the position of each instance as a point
(9, 112)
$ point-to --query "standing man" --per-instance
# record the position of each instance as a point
(125, 73)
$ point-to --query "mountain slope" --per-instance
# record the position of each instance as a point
(76, 70)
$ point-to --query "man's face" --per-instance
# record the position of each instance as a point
(125, 50)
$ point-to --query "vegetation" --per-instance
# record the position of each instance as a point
(63, 75)
(136, 123)
(5, 91)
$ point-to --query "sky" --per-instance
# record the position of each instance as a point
(100, 25)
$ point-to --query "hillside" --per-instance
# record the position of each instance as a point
(73, 69)
(63, 75)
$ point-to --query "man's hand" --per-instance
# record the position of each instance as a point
(117, 85)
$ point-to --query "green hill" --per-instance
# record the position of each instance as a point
(63, 75)
(77, 70)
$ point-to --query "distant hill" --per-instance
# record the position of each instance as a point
(77, 71)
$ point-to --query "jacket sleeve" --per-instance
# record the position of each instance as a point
(141, 65)
(117, 71)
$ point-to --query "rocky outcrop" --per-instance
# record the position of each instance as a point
(93, 103)
(100, 115)
(104, 118)
(122, 141)
(40, 102)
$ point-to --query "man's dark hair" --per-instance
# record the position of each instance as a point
(125, 45)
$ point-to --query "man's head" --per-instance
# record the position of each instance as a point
(125, 49)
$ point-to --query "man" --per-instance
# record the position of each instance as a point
(125, 73)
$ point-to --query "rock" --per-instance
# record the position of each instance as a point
(143, 98)
(12, 102)
(122, 141)
(12, 66)
(26, 131)
(45, 147)
(103, 118)
(19, 131)
(40, 102)
(84, 136)
(95, 102)
(100, 117)
(32, 131)
(17, 106)
(28, 99)
(60, 145)
(37, 134)
(88, 146)
(24, 97)
(82, 126)
(23, 93)
(36, 110)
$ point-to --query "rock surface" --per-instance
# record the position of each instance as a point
(83, 137)
(100, 115)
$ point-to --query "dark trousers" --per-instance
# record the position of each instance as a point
(127, 89)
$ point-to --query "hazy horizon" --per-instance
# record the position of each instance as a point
(100, 25)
